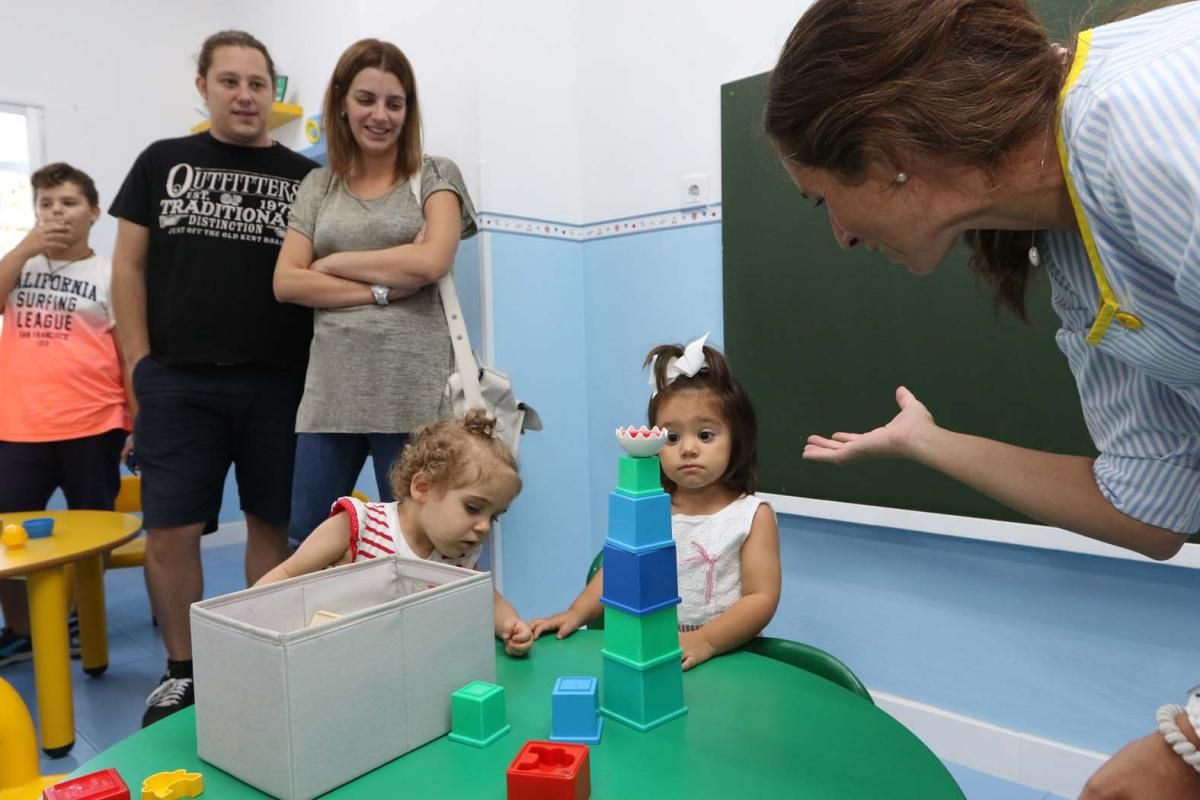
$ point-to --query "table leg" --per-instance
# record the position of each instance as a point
(93, 622)
(51, 660)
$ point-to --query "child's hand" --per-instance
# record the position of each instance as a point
(517, 637)
(565, 623)
(696, 649)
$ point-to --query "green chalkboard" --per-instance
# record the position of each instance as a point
(821, 337)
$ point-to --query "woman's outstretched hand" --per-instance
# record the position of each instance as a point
(890, 441)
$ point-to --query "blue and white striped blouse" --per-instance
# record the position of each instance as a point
(1132, 128)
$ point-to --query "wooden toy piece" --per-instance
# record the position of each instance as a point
(550, 771)
(14, 536)
(321, 617)
(103, 785)
(173, 785)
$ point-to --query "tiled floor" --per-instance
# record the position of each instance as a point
(109, 708)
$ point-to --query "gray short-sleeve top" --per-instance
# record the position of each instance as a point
(372, 368)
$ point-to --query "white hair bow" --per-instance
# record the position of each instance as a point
(689, 364)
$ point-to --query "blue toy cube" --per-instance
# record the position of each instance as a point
(575, 711)
(639, 523)
(639, 583)
(479, 715)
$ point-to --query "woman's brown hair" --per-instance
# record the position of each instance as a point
(340, 144)
(960, 81)
(452, 453)
(716, 376)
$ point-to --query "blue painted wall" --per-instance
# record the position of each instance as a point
(539, 311)
(1070, 647)
(642, 290)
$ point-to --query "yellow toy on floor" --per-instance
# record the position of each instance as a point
(19, 778)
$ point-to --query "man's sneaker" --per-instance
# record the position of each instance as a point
(171, 695)
(14, 648)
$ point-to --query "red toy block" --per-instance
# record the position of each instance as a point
(550, 771)
(103, 785)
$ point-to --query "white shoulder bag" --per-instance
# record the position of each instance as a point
(472, 385)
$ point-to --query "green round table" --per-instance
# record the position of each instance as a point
(755, 728)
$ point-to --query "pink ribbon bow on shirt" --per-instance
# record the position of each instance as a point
(709, 561)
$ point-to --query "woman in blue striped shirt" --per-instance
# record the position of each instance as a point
(917, 122)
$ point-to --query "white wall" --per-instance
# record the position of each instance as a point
(111, 77)
(530, 109)
(594, 111)
(563, 111)
(650, 104)
(440, 39)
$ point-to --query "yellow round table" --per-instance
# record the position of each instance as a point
(80, 538)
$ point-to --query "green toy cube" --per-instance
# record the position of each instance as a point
(478, 714)
(643, 697)
(641, 640)
(638, 477)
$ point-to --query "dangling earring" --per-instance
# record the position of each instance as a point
(345, 115)
(901, 177)
(1035, 256)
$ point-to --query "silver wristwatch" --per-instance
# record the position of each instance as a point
(381, 293)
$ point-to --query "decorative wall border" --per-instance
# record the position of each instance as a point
(604, 229)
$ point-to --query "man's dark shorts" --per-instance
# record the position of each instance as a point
(194, 421)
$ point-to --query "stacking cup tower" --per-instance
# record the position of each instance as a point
(643, 676)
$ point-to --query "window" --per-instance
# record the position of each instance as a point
(20, 150)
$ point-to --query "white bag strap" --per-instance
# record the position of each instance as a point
(464, 358)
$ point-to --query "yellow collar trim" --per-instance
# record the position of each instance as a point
(1109, 309)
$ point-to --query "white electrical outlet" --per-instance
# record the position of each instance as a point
(695, 189)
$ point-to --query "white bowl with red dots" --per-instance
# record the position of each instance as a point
(641, 442)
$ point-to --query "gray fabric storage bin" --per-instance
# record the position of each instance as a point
(297, 711)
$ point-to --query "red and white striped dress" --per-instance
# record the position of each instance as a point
(375, 533)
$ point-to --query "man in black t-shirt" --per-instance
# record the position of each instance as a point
(216, 364)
